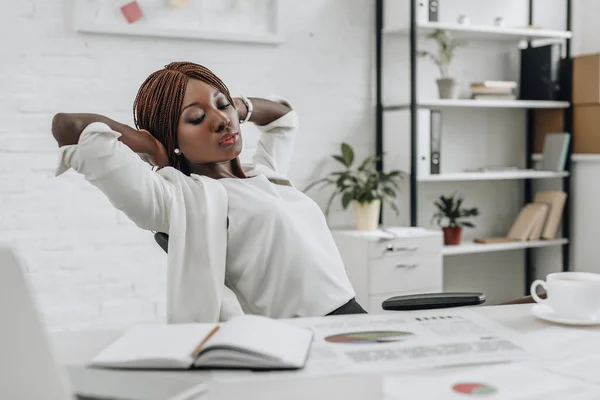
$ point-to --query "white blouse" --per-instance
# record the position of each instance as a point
(281, 261)
(193, 210)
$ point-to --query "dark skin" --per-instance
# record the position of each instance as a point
(208, 131)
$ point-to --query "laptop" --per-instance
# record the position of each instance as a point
(29, 370)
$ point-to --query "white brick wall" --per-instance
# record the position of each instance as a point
(89, 265)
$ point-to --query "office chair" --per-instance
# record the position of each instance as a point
(425, 301)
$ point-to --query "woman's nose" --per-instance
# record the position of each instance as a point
(221, 122)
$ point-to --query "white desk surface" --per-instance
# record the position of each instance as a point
(76, 348)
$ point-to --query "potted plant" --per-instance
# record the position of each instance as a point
(451, 211)
(447, 45)
(364, 187)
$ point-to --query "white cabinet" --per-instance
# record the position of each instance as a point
(397, 261)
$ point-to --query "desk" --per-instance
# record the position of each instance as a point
(76, 348)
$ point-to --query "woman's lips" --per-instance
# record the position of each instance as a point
(228, 139)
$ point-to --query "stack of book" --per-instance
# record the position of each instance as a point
(537, 220)
(493, 90)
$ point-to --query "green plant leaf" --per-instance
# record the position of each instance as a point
(395, 173)
(315, 183)
(340, 159)
(394, 207)
(346, 199)
(347, 154)
(366, 162)
(363, 184)
(451, 208)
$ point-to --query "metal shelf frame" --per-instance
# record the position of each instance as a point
(413, 106)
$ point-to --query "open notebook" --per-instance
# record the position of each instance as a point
(248, 342)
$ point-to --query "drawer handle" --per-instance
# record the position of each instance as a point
(392, 248)
(406, 266)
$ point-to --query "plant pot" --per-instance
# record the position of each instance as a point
(452, 235)
(448, 88)
(367, 215)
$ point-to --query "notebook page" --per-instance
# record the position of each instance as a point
(154, 346)
(265, 336)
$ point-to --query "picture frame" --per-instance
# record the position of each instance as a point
(247, 21)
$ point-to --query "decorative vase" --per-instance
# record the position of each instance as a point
(452, 235)
(448, 88)
(367, 215)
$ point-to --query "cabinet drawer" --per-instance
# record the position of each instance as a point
(405, 246)
(405, 273)
(375, 302)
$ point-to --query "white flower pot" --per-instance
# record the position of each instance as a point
(367, 215)
(448, 88)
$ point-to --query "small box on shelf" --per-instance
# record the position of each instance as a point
(586, 79)
(546, 121)
(586, 101)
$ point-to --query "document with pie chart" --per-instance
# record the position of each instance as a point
(502, 382)
(409, 342)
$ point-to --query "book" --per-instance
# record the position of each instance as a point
(492, 240)
(527, 221)
(496, 84)
(491, 90)
(538, 223)
(494, 97)
(528, 225)
(556, 146)
(244, 342)
(556, 200)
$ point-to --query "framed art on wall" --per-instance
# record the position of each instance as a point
(251, 21)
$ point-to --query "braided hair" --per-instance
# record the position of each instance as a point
(158, 103)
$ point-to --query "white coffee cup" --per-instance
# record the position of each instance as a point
(571, 294)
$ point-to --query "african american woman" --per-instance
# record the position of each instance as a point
(242, 239)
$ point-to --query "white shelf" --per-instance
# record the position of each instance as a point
(575, 157)
(144, 30)
(493, 176)
(468, 103)
(472, 248)
(482, 32)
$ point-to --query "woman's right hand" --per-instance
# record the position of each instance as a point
(157, 154)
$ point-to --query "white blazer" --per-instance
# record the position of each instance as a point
(191, 209)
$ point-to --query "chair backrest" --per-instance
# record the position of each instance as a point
(163, 240)
(28, 369)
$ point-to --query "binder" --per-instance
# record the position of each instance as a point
(428, 142)
(436, 141)
(428, 10)
(434, 10)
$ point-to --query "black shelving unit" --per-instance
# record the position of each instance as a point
(413, 107)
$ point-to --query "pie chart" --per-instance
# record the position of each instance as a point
(474, 389)
(369, 337)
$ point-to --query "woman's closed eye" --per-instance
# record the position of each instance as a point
(197, 120)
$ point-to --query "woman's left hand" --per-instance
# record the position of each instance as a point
(240, 107)
(264, 111)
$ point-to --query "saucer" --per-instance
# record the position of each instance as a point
(544, 312)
